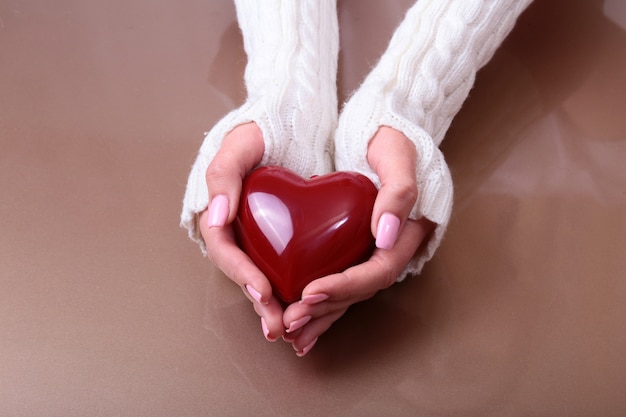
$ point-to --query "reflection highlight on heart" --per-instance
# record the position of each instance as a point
(273, 218)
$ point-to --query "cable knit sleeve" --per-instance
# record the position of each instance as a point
(417, 87)
(290, 78)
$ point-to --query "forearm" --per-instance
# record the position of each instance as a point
(288, 43)
(290, 80)
(431, 63)
(418, 86)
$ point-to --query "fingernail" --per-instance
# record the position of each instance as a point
(297, 324)
(218, 211)
(288, 339)
(254, 293)
(387, 232)
(266, 331)
(314, 299)
(307, 348)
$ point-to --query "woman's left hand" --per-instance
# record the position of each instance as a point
(393, 157)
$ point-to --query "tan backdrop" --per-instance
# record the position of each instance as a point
(107, 309)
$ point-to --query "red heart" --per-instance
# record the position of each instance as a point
(297, 230)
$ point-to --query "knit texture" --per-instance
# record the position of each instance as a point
(417, 87)
(290, 78)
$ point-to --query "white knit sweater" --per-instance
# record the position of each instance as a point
(417, 87)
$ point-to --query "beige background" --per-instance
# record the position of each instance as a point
(107, 309)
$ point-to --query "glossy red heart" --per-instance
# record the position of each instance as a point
(297, 230)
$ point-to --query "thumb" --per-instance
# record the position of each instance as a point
(393, 158)
(241, 150)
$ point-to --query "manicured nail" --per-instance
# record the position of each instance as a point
(266, 331)
(288, 339)
(297, 324)
(254, 293)
(307, 348)
(218, 211)
(314, 299)
(387, 232)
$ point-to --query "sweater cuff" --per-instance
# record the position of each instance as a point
(435, 189)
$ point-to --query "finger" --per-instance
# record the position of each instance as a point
(236, 265)
(298, 314)
(313, 330)
(346, 288)
(271, 318)
(291, 337)
(241, 150)
(224, 253)
(362, 281)
(393, 157)
(326, 299)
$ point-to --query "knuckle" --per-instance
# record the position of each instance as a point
(360, 288)
(211, 256)
(386, 272)
(348, 287)
(237, 271)
(217, 172)
(214, 258)
(404, 192)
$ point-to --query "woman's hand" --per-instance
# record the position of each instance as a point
(393, 157)
(241, 150)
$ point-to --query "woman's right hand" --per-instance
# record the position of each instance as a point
(241, 151)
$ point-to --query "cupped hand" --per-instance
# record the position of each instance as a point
(393, 157)
(241, 150)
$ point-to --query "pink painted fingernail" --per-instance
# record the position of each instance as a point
(297, 324)
(254, 293)
(266, 331)
(218, 211)
(288, 339)
(307, 348)
(314, 299)
(387, 232)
